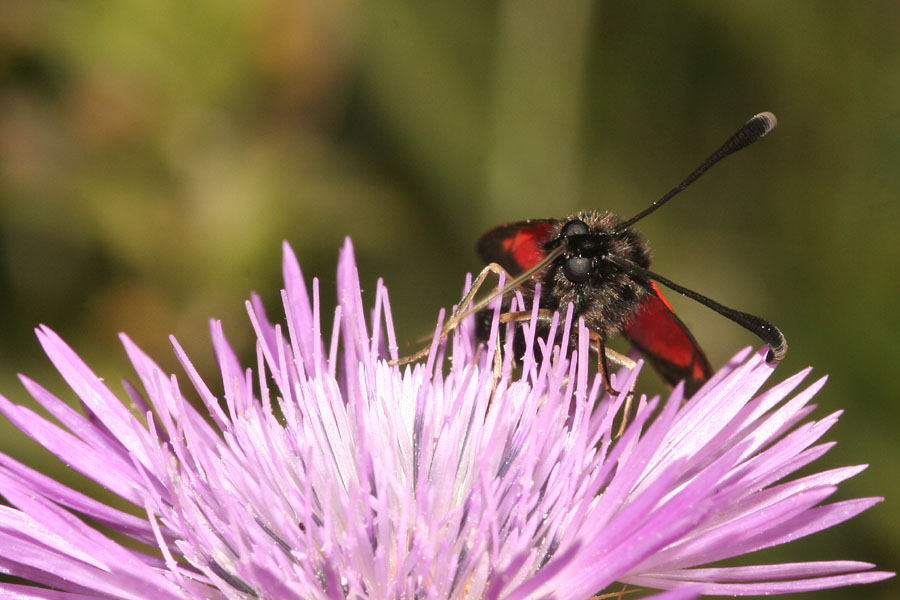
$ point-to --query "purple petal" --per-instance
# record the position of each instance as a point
(333, 474)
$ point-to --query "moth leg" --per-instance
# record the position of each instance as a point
(617, 595)
(498, 372)
(629, 403)
(604, 357)
(602, 366)
(497, 369)
(457, 315)
(619, 359)
(544, 315)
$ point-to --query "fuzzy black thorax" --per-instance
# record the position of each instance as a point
(603, 294)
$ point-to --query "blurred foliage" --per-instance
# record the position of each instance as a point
(153, 154)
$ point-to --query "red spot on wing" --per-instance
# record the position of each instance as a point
(525, 246)
(659, 334)
(516, 246)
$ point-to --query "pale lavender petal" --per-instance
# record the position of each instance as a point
(771, 579)
(90, 388)
(49, 540)
(24, 592)
(303, 320)
(77, 454)
(54, 491)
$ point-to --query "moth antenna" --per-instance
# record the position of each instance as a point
(751, 131)
(767, 332)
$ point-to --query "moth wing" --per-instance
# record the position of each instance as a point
(516, 246)
(667, 343)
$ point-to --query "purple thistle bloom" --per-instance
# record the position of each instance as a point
(330, 474)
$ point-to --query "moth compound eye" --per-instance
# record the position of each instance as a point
(575, 227)
(577, 268)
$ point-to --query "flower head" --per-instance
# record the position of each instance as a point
(327, 473)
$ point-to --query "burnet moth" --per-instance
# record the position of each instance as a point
(597, 262)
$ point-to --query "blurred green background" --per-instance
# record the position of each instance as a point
(153, 155)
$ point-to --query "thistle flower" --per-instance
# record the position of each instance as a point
(328, 473)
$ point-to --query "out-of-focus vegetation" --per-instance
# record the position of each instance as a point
(154, 153)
